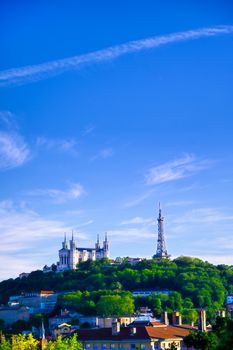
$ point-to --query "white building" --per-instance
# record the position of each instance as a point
(229, 299)
(70, 255)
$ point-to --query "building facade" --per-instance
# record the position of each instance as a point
(153, 337)
(43, 301)
(70, 255)
(11, 314)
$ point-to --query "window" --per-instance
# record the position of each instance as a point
(88, 346)
(143, 346)
(95, 346)
(120, 346)
(112, 346)
(104, 346)
(132, 346)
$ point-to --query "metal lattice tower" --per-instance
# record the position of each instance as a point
(161, 245)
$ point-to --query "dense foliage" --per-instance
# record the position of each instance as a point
(193, 283)
(103, 302)
(24, 342)
(220, 339)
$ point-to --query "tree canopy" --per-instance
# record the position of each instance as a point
(192, 283)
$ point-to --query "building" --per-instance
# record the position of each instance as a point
(44, 301)
(11, 314)
(62, 329)
(107, 322)
(70, 255)
(229, 299)
(152, 337)
(23, 274)
(148, 292)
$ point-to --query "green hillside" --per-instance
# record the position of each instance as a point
(192, 283)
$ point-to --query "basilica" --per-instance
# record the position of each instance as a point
(70, 255)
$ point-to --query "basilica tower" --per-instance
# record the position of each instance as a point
(106, 247)
(161, 251)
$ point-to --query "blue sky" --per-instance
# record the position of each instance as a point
(107, 108)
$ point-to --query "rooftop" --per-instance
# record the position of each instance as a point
(145, 333)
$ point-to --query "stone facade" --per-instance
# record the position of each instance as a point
(70, 255)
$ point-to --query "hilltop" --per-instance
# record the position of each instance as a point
(190, 283)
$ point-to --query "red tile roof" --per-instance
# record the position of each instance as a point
(168, 332)
(142, 333)
(106, 334)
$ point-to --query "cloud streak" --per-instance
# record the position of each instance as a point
(34, 73)
(204, 216)
(137, 221)
(177, 169)
(14, 151)
(74, 192)
(131, 234)
(63, 145)
(103, 154)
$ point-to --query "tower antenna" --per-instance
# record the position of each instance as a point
(161, 251)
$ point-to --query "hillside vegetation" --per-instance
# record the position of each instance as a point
(193, 284)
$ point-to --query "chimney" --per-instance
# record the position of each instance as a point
(202, 320)
(220, 313)
(164, 318)
(231, 313)
(116, 328)
(133, 331)
(176, 318)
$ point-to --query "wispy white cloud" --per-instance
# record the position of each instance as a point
(7, 120)
(103, 154)
(217, 259)
(33, 73)
(203, 216)
(74, 192)
(64, 145)
(131, 234)
(138, 200)
(88, 130)
(137, 221)
(179, 203)
(28, 240)
(175, 170)
(75, 212)
(14, 151)
(86, 223)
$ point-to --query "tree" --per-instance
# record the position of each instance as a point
(5, 344)
(19, 326)
(116, 286)
(69, 343)
(36, 320)
(24, 342)
(201, 340)
(155, 304)
(115, 305)
(189, 315)
(225, 333)
(2, 324)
